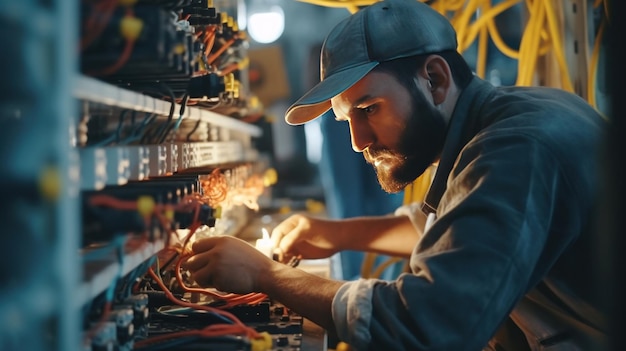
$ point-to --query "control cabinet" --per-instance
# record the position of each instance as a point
(125, 136)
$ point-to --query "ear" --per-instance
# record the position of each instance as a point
(437, 71)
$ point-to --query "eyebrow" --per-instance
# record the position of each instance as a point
(355, 105)
(360, 100)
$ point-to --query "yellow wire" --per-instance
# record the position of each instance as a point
(557, 44)
(499, 43)
(462, 23)
(453, 5)
(381, 268)
(525, 39)
(439, 6)
(483, 45)
(593, 70)
(367, 265)
(530, 44)
(484, 19)
(352, 8)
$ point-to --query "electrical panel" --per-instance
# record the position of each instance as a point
(127, 134)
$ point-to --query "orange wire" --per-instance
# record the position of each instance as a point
(249, 331)
(94, 28)
(106, 200)
(221, 50)
(215, 188)
(121, 61)
(209, 39)
(237, 328)
(231, 299)
(229, 69)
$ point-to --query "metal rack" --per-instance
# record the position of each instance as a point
(45, 281)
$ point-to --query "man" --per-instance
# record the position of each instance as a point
(499, 252)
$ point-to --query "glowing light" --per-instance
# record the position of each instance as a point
(266, 26)
(265, 244)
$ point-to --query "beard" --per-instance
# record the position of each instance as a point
(419, 146)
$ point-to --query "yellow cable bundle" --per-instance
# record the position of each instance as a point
(483, 45)
(557, 45)
(595, 55)
(487, 18)
(529, 46)
(593, 70)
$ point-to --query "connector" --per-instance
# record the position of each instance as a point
(263, 343)
(206, 86)
(50, 183)
(270, 177)
(229, 83)
(131, 27)
(145, 205)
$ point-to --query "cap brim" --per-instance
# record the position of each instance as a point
(317, 100)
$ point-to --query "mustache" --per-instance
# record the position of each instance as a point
(371, 154)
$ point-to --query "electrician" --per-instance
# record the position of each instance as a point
(500, 249)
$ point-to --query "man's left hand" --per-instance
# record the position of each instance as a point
(228, 264)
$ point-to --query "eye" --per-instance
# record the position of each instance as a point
(369, 109)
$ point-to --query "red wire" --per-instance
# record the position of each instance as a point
(121, 61)
(248, 331)
(94, 27)
(230, 299)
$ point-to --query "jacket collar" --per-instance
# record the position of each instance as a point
(464, 124)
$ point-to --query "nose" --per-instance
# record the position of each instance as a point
(361, 135)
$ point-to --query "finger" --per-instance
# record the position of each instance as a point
(287, 244)
(278, 254)
(278, 233)
(203, 245)
(203, 277)
(196, 262)
(282, 256)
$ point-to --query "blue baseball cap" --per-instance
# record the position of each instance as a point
(380, 32)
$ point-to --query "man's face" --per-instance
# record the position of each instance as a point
(398, 130)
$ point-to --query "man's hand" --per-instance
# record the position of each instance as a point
(228, 264)
(305, 236)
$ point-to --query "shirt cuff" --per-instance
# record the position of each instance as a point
(411, 210)
(352, 311)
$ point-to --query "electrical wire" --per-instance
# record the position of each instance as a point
(119, 243)
(557, 45)
(121, 61)
(98, 20)
(229, 300)
(215, 188)
(235, 328)
(485, 19)
(213, 56)
(529, 45)
(593, 71)
(483, 46)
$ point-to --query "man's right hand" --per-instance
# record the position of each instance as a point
(307, 237)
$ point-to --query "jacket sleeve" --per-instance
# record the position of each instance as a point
(487, 248)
